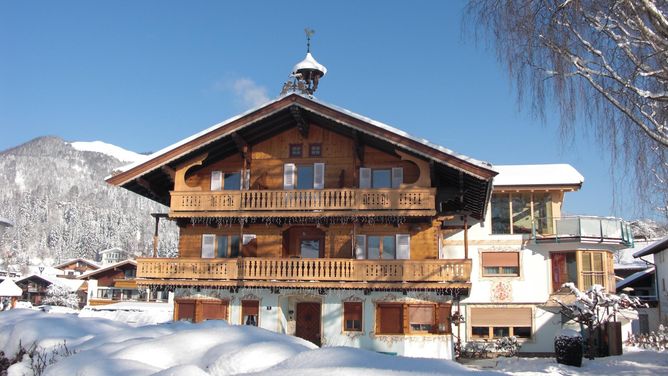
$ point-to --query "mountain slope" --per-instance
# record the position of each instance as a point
(62, 208)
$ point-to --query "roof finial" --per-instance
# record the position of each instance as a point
(309, 32)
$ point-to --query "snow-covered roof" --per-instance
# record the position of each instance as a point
(633, 277)
(309, 63)
(655, 247)
(9, 288)
(102, 270)
(113, 249)
(109, 149)
(72, 261)
(378, 124)
(70, 284)
(537, 175)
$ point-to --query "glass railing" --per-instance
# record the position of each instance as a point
(603, 229)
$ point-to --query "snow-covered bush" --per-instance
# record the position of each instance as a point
(594, 308)
(568, 348)
(507, 345)
(61, 296)
(652, 341)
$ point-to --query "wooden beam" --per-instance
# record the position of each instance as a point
(170, 172)
(358, 147)
(148, 187)
(242, 146)
(302, 124)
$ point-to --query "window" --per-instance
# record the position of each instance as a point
(220, 246)
(225, 181)
(488, 323)
(309, 248)
(518, 213)
(378, 178)
(422, 318)
(315, 150)
(303, 176)
(130, 273)
(295, 150)
(386, 247)
(593, 272)
(500, 263)
(352, 316)
(250, 310)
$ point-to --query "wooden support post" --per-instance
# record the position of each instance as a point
(466, 237)
(156, 236)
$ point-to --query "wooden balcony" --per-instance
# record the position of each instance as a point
(332, 271)
(314, 201)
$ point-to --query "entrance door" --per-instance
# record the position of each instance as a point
(564, 269)
(308, 322)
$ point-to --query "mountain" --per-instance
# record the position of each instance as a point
(55, 194)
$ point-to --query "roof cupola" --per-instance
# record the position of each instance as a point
(307, 73)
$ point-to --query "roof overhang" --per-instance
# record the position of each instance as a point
(655, 247)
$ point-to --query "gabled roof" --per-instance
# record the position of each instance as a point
(113, 249)
(285, 112)
(634, 277)
(92, 273)
(658, 246)
(90, 263)
(71, 284)
(538, 175)
(9, 288)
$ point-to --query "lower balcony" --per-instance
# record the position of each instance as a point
(317, 273)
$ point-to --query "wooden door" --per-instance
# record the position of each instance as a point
(308, 322)
(559, 270)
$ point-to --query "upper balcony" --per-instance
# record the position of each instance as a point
(313, 202)
(585, 229)
(316, 273)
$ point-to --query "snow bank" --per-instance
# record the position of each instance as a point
(109, 149)
(139, 313)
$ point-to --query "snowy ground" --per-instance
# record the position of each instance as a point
(105, 347)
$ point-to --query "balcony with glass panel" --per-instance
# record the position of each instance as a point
(585, 229)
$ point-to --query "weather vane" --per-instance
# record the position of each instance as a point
(309, 32)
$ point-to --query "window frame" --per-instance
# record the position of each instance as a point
(489, 328)
(244, 304)
(536, 199)
(345, 319)
(441, 324)
(313, 147)
(293, 148)
(499, 268)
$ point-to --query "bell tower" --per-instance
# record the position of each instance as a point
(306, 74)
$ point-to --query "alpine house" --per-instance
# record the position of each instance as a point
(307, 219)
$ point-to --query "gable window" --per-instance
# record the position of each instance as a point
(296, 150)
(500, 264)
(315, 150)
(352, 316)
(378, 178)
(250, 310)
(386, 247)
(519, 213)
(303, 176)
(489, 323)
(220, 246)
(225, 181)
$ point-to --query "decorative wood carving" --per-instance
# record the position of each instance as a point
(181, 170)
(424, 179)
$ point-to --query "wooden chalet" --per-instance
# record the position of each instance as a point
(76, 267)
(308, 219)
(113, 283)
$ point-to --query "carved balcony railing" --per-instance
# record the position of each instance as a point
(304, 200)
(326, 270)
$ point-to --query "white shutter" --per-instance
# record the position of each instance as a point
(360, 246)
(318, 175)
(245, 179)
(208, 245)
(403, 247)
(365, 178)
(289, 176)
(397, 177)
(216, 180)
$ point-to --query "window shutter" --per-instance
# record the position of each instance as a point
(360, 246)
(208, 245)
(216, 180)
(365, 178)
(397, 177)
(403, 247)
(289, 176)
(318, 175)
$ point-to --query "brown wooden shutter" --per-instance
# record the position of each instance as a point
(214, 310)
(352, 311)
(500, 317)
(390, 318)
(421, 314)
(443, 319)
(491, 259)
(250, 307)
(185, 310)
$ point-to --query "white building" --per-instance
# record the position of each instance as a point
(660, 251)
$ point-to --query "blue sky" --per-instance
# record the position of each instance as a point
(145, 74)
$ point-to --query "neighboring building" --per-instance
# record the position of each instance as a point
(76, 267)
(113, 256)
(35, 287)
(660, 251)
(308, 219)
(116, 282)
